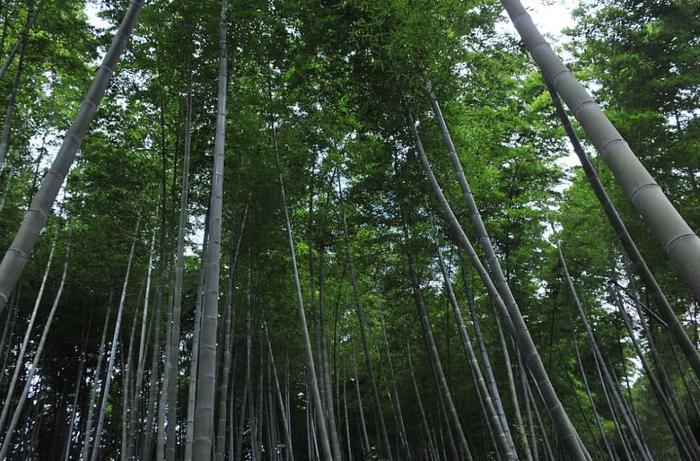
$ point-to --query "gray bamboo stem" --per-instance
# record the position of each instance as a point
(229, 314)
(326, 377)
(171, 445)
(363, 330)
(596, 416)
(12, 101)
(112, 355)
(142, 340)
(638, 263)
(363, 423)
(95, 388)
(394, 394)
(76, 394)
(607, 378)
(35, 363)
(678, 240)
(127, 412)
(194, 360)
(27, 335)
(206, 376)
(514, 321)
(16, 258)
(495, 422)
(285, 423)
(311, 367)
(443, 388)
(18, 44)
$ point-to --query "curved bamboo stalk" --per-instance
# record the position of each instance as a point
(514, 321)
(505, 444)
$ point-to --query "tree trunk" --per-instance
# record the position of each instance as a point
(638, 263)
(194, 360)
(677, 424)
(285, 422)
(492, 388)
(165, 383)
(19, 365)
(511, 387)
(394, 395)
(248, 366)
(591, 401)
(145, 327)
(229, 313)
(20, 44)
(127, 443)
(7, 125)
(155, 360)
(76, 394)
(363, 423)
(171, 445)
(96, 386)
(607, 378)
(327, 378)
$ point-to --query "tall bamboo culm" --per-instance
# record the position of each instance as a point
(513, 319)
(667, 225)
(28, 233)
(206, 376)
(638, 262)
(312, 376)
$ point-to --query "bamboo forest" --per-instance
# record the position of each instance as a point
(343, 230)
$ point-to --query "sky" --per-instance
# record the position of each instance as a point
(550, 16)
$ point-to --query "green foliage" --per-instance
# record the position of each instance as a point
(339, 78)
